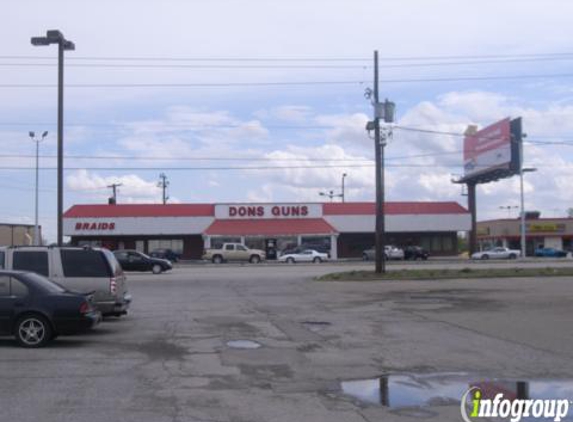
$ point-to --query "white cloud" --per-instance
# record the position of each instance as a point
(133, 188)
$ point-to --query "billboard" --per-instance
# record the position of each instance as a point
(493, 153)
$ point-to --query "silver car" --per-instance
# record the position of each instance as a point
(82, 270)
(390, 252)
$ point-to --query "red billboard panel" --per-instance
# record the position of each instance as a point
(488, 149)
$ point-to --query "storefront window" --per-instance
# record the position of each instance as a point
(175, 245)
(425, 242)
(255, 242)
(217, 242)
(90, 243)
(436, 244)
(447, 245)
(286, 242)
(319, 243)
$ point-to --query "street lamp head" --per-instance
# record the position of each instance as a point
(69, 46)
(44, 134)
(39, 41)
(54, 35)
(32, 134)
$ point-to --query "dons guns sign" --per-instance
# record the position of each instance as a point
(272, 211)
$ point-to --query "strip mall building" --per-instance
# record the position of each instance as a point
(346, 229)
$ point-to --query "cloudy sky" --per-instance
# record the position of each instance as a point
(252, 100)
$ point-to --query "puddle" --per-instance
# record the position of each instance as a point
(243, 344)
(408, 391)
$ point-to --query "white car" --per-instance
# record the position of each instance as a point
(308, 255)
(497, 253)
(390, 252)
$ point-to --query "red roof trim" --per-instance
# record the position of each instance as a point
(141, 210)
(396, 208)
(270, 227)
(208, 210)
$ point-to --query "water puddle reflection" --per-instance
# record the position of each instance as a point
(428, 390)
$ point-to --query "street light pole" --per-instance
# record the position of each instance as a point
(522, 199)
(37, 240)
(56, 37)
(342, 194)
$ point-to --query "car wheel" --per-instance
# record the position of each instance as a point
(484, 257)
(255, 259)
(290, 260)
(316, 260)
(512, 256)
(217, 259)
(156, 269)
(33, 331)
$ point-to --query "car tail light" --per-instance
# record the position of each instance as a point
(112, 286)
(85, 308)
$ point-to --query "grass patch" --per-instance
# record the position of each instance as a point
(444, 274)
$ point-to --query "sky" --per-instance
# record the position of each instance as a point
(264, 101)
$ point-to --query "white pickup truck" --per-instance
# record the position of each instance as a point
(497, 253)
(234, 252)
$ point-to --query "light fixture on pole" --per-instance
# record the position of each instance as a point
(508, 208)
(522, 225)
(56, 37)
(330, 194)
(37, 239)
(342, 194)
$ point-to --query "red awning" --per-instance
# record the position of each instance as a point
(140, 210)
(393, 208)
(270, 227)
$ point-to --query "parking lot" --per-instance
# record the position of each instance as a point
(172, 358)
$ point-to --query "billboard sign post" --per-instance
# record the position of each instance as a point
(490, 154)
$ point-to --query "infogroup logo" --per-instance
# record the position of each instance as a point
(512, 409)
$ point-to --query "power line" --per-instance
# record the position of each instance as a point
(301, 83)
(296, 59)
(290, 66)
(273, 168)
(247, 159)
(437, 132)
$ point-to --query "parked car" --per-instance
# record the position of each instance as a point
(234, 252)
(131, 260)
(35, 310)
(168, 254)
(415, 253)
(550, 253)
(390, 252)
(77, 269)
(319, 247)
(308, 255)
(497, 253)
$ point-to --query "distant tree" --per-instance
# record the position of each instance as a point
(570, 212)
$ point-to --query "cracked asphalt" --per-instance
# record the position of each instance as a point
(168, 360)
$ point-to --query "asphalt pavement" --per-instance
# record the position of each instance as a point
(301, 345)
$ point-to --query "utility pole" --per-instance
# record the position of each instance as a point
(163, 183)
(383, 111)
(114, 187)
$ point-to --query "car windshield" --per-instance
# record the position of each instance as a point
(44, 283)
